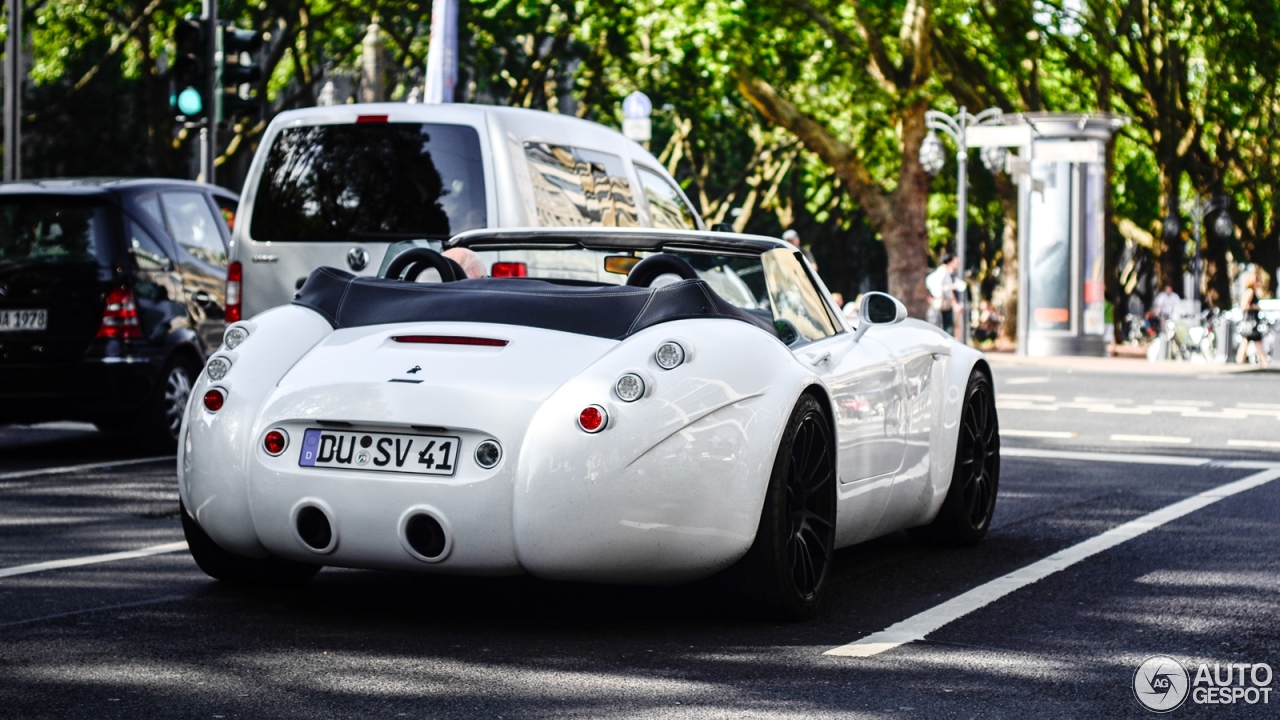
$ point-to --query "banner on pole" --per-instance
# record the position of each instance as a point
(442, 53)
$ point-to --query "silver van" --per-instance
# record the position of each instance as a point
(337, 185)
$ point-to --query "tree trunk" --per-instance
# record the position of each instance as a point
(906, 237)
(899, 218)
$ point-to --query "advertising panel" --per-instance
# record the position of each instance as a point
(1049, 261)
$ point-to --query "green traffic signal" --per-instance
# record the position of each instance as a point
(190, 103)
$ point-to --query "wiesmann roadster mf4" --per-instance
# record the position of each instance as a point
(656, 407)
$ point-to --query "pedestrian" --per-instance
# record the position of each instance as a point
(1166, 303)
(1250, 328)
(943, 287)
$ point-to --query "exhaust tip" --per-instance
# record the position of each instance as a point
(314, 529)
(425, 534)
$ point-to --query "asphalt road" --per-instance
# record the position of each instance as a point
(153, 637)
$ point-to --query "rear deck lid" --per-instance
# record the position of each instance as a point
(56, 258)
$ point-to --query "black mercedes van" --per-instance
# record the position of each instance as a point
(111, 297)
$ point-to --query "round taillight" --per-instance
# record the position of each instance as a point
(234, 337)
(669, 355)
(218, 368)
(593, 418)
(630, 387)
(214, 399)
(275, 442)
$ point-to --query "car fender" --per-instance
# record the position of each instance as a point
(213, 480)
(672, 488)
(959, 366)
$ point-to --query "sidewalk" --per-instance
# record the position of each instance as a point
(1134, 365)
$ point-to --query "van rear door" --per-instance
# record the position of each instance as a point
(337, 195)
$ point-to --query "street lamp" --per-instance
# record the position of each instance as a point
(932, 159)
(1222, 227)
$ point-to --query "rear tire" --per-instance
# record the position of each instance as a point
(966, 512)
(786, 570)
(227, 567)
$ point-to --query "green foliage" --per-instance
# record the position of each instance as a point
(1199, 77)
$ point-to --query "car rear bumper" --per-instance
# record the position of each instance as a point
(89, 389)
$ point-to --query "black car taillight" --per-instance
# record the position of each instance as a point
(120, 316)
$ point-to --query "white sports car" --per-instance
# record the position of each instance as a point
(708, 410)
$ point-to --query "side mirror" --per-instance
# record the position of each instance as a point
(877, 308)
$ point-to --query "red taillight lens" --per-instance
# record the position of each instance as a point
(593, 418)
(449, 340)
(371, 118)
(275, 442)
(235, 273)
(214, 399)
(120, 316)
(509, 269)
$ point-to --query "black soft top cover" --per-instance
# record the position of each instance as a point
(613, 312)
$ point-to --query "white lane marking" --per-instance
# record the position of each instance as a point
(1156, 439)
(1026, 380)
(121, 606)
(76, 468)
(1183, 403)
(93, 559)
(1027, 398)
(1259, 406)
(1266, 444)
(1104, 401)
(1135, 458)
(919, 626)
(1058, 434)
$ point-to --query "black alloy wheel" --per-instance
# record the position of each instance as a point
(966, 513)
(811, 511)
(161, 423)
(788, 565)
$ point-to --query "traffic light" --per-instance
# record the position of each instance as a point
(237, 69)
(190, 70)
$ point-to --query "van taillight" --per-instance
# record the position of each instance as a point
(120, 316)
(234, 274)
(509, 269)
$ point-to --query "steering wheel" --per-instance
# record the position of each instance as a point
(650, 268)
(415, 260)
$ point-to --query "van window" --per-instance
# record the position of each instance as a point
(666, 208)
(370, 181)
(572, 186)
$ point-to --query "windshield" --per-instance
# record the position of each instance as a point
(773, 286)
(339, 183)
(46, 230)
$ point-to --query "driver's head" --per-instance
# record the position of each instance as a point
(471, 263)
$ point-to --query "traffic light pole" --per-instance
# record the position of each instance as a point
(13, 92)
(209, 133)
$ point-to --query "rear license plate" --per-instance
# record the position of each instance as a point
(379, 452)
(14, 320)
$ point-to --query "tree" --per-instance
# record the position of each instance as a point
(884, 56)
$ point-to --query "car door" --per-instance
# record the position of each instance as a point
(866, 384)
(202, 260)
